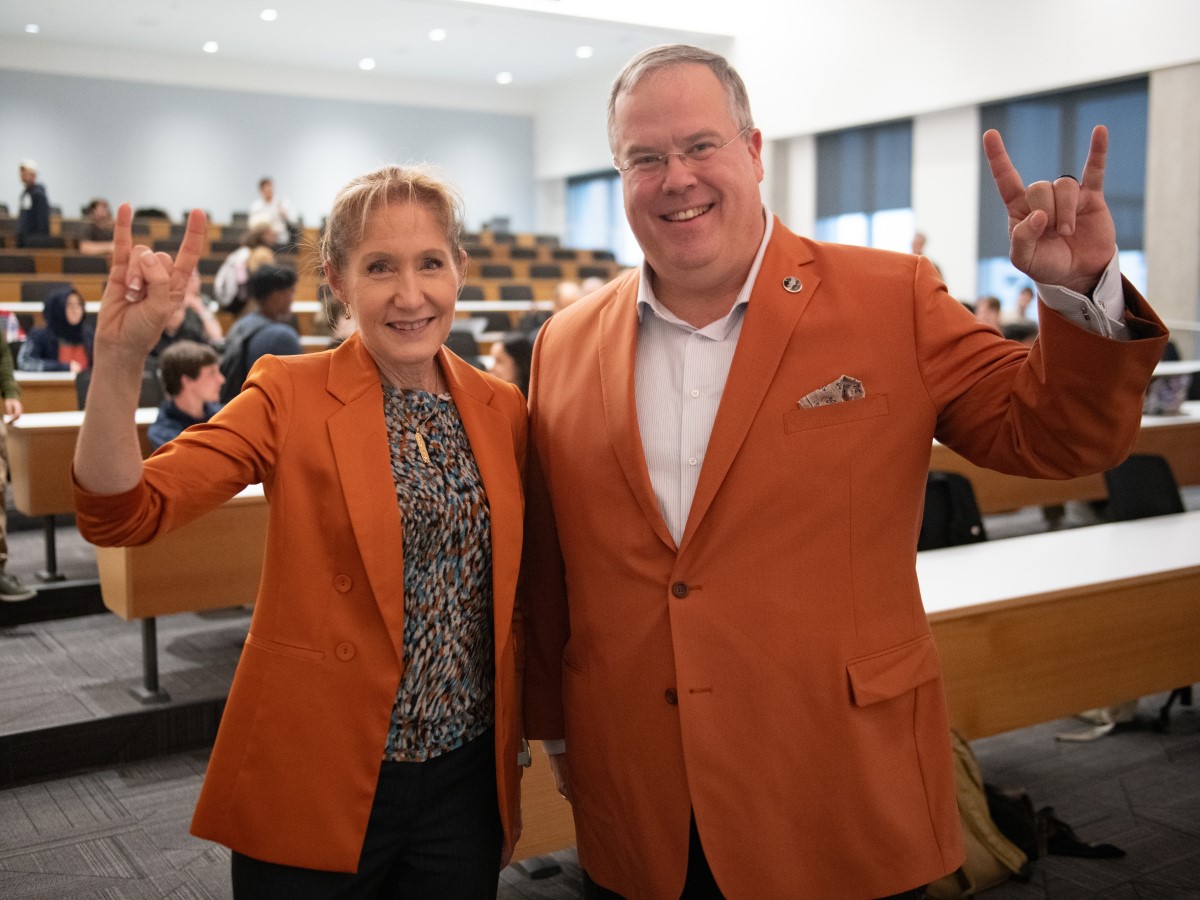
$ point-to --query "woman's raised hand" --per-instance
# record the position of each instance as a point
(143, 288)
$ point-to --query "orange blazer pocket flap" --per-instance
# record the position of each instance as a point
(835, 413)
(893, 672)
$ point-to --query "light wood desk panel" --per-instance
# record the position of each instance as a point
(1039, 627)
(90, 287)
(47, 391)
(210, 563)
(41, 448)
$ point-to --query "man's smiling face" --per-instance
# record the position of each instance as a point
(696, 222)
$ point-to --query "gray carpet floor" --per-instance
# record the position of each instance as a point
(121, 832)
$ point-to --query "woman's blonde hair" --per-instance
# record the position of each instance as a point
(355, 203)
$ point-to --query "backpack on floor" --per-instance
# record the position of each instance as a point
(991, 858)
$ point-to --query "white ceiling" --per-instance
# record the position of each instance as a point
(535, 40)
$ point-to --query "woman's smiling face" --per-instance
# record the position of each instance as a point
(402, 281)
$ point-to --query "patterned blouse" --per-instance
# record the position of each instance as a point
(445, 698)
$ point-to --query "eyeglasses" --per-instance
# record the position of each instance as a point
(654, 163)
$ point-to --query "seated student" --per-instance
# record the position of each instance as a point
(266, 329)
(987, 311)
(512, 358)
(98, 238)
(565, 293)
(191, 376)
(231, 283)
(64, 343)
(193, 321)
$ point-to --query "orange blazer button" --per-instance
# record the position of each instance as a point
(345, 651)
(343, 583)
(671, 696)
(679, 589)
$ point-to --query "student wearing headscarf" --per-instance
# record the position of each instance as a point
(64, 343)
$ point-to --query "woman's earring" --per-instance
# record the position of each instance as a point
(347, 314)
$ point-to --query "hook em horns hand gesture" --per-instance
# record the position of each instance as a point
(1060, 233)
(144, 287)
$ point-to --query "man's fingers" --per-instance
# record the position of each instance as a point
(1024, 238)
(1040, 197)
(1093, 169)
(1007, 178)
(1066, 202)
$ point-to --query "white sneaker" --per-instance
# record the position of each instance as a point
(11, 590)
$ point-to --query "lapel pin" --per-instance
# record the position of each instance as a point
(792, 284)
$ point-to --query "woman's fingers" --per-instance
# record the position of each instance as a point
(190, 247)
(135, 281)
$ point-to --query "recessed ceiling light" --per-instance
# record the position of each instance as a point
(504, 78)
(366, 64)
(269, 15)
(32, 29)
(584, 52)
(210, 47)
(438, 34)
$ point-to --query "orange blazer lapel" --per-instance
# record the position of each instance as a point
(771, 318)
(618, 354)
(358, 435)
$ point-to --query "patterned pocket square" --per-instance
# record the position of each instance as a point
(845, 388)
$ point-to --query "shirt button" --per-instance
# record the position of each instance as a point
(695, 392)
(345, 651)
(691, 460)
(680, 590)
(343, 583)
(671, 696)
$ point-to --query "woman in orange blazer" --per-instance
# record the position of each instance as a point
(371, 738)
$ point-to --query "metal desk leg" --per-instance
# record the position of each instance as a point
(51, 573)
(150, 692)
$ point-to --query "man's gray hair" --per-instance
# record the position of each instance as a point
(667, 56)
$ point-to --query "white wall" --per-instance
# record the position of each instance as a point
(945, 193)
(818, 67)
(811, 68)
(177, 147)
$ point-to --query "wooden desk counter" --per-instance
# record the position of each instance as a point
(90, 287)
(211, 563)
(41, 447)
(1039, 627)
(1177, 438)
(47, 391)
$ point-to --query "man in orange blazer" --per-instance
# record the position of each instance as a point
(729, 450)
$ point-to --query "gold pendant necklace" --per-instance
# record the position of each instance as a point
(421, 446)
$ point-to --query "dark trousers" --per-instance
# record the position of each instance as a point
(699, 883)
(434, 831)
